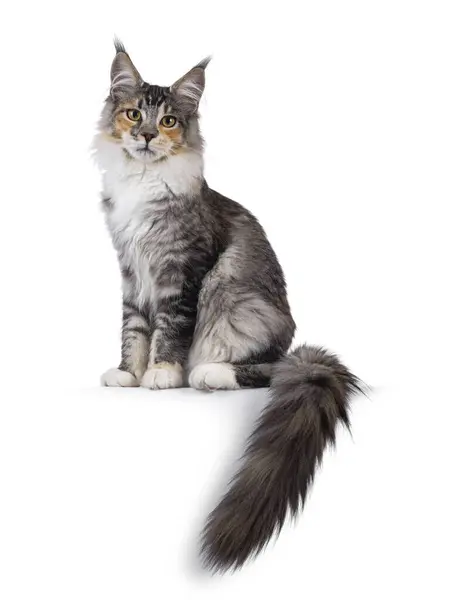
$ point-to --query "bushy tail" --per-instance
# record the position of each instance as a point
(310, 390)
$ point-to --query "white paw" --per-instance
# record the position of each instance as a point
(163, 376)
(213, 376)
(118, 378)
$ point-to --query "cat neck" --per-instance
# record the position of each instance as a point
(180, 174)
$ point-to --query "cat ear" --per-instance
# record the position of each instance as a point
(189, 88)
(124, 75)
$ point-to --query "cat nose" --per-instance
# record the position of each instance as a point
(148, 137)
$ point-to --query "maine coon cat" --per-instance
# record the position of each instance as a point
(204, 304)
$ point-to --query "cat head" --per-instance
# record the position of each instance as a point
(149, 122)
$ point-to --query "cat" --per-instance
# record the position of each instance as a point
(205, 305)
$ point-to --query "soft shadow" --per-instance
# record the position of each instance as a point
(247, 410)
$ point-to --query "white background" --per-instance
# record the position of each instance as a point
(331, 122)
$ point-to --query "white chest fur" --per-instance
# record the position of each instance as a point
(139, 193)
(181, 174)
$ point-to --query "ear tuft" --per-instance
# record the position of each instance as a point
(204, 63)
(118, 45)
(189, 88)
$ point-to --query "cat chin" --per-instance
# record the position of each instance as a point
(146, 158)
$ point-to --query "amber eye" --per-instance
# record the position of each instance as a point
(134, 114)
(168, 121)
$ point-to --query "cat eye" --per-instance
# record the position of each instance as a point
(134, 114)
(168, 121)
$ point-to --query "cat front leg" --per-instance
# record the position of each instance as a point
(135, 349)
(172, 337)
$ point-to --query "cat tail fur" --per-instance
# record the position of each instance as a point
(310, 390)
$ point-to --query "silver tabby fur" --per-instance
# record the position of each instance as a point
(204, 301)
